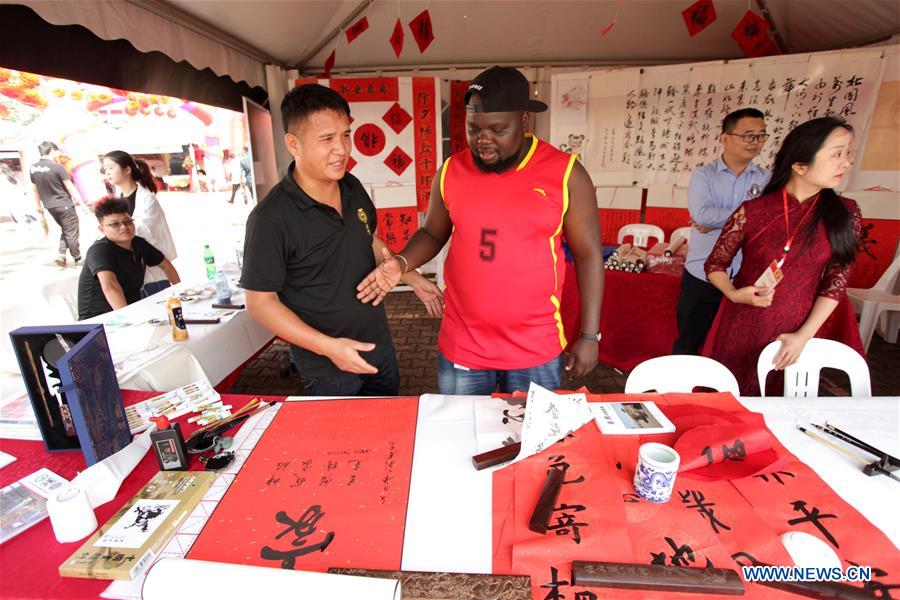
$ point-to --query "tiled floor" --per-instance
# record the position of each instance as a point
(415, 337)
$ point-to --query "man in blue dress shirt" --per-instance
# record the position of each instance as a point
(715, 191)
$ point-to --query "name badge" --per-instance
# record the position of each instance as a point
(770, 277)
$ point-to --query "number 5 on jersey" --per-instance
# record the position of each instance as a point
(488, 245)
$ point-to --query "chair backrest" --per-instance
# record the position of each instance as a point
(681, 232)
(801, 379)
(62, 296)
(680, 373)
(887, 281)
(166, 372)
(641, 232)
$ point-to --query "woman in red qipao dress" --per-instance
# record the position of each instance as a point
(801, 223)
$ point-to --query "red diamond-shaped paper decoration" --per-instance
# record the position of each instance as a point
(397, 118)
(421, 30)
(356, 29)
(698, 16)
(751, 28)
(350, 163)
(397, 38)
(398, 160)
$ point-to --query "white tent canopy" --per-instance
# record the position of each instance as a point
(238, 38)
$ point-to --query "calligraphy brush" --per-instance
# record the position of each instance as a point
(843, 435)
(828, 442)
(250, 405)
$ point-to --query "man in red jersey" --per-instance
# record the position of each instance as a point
(504, 204)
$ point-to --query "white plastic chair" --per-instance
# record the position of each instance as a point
(62, 296)
(681, 232)
(880, 300)
(641, 232)
(681, 373)
(801, 379)
(166, 372)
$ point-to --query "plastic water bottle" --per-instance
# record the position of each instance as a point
(223, 290)
(210, 261)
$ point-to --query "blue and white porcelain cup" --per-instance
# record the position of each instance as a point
(654, 476)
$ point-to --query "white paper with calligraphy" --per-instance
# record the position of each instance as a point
(498, 422)
(550, 417)
(670, 116)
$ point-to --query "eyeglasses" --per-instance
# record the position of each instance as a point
(120, 224)
(749, 138)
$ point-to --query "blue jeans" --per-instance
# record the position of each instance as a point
(474, 382)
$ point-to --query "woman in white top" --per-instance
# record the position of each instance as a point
(137, 186)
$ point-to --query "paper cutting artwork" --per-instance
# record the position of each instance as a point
(327, 485)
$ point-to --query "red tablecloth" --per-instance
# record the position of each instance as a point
(638, 317)
(30, 561)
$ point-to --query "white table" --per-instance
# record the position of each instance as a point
(220, 348)
(445, 444)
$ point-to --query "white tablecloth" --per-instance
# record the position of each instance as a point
(449, 516)
(220, 348)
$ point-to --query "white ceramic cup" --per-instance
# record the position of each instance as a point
(654, 475)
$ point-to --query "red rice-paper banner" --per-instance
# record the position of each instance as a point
(328, 482)
(366, 89)
(458, 116)
(424, 120)
(396, 226)
(721, 524)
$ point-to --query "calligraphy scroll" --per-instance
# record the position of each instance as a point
(666, 121)
(327, 484)
(458, 116)
(426, 107)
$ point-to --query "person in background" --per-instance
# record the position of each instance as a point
(715, 191)
(137, 186)
(800, 228)
(114, 268)
(236, 175)
(55, 192)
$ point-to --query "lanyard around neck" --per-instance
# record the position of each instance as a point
(789, 237)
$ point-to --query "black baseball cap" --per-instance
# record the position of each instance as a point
(503, 89)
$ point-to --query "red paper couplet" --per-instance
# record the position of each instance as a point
(458, 116)
(327, 484)
(698, 16)
(421, 30)
(355, 30)
(369, 139)
(425, 137)
(350, 163)
(396, 226)
(367, 89)
(397, 38)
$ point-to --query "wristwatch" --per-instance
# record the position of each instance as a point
(591, 337)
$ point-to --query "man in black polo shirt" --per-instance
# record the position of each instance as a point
(54, 191)
(114, 267)
(309, 243)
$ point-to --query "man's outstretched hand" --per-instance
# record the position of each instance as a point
(381, 280)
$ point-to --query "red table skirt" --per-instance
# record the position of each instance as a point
(638, 317)
(30, 561)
